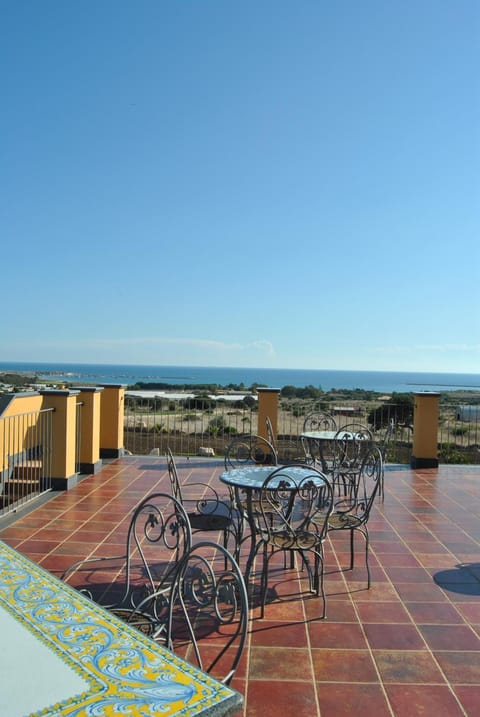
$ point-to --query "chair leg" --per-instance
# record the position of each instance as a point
(264, 582)
(321, 583)
(352, 549)
(225, 545)
(367, 541)
(317, 584)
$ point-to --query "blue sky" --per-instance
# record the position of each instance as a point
(272, 184)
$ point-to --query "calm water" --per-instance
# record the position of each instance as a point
(383, 381)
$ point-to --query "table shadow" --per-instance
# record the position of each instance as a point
(463, 578)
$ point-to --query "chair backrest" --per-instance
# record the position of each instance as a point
(387, 437)
(208, 613)
(249, 449)
(160, 535)
(319, 421)
(271, 436)
(173, 475)
(367, 484)
(350, 446)
(293, 507)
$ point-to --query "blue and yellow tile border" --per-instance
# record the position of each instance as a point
(127, 673)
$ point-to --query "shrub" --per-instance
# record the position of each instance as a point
(399, 409)
(202, 402)
(449, 453)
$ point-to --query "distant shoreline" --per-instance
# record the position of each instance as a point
(244, 378)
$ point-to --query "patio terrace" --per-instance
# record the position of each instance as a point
(408, 646)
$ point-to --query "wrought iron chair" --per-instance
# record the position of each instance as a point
(353, 511)
(350, 445)
(292, 517)
(208, 610)
(249, 449)
(158, 537)
(314, 451)
(319, 421)
(210, 512)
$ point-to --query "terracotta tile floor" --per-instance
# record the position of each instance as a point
(408, 646)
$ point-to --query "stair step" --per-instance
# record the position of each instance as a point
(29, 470)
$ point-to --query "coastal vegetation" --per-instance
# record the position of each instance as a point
(17, 381)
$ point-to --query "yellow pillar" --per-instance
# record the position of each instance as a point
(64, 424)
(111, 421)
(267, 407)
(425, 430)
(89, 425)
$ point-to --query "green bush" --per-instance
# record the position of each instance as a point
(449, 453)
(399, 409)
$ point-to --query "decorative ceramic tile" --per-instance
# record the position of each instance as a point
(124, 671)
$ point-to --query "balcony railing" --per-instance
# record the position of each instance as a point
(150, 425)
(25, 458)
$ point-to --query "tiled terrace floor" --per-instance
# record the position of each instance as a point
(408, 646)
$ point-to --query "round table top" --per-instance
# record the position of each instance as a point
(249, 476)
(320, 435)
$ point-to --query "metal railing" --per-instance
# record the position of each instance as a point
(459, 435)
(78, 436)
(153, 424)
(25, 458)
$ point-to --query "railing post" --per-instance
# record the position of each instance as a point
(64, 421)
(267, 407)
(425, 430)
(111, 421)
(89, 396)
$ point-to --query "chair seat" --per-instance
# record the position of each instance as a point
(138, 620)
(208, 512)
(299, 540)
(337, 521)
(209, 521)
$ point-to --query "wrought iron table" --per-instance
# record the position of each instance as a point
(65, 655)
(316, 441)
(250, 479)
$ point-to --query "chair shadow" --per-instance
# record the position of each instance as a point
(196, 462)
(464, 579)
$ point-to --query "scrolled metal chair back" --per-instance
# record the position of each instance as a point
(173, 476)
(250, 449)
(350, 445)
(369, 482)
(319, 421)
(209, 609)
(160, 534)
(293, 512)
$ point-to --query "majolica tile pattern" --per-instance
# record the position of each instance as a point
(126, 672)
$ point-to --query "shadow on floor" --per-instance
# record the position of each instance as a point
(464, 578)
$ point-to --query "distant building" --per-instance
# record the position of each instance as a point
(468, 413)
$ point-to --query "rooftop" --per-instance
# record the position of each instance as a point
(408, 646)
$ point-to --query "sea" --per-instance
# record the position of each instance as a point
(326, 380)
